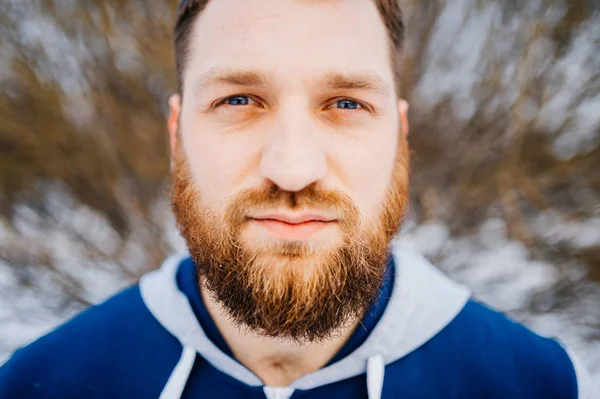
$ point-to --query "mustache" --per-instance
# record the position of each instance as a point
(314, 198)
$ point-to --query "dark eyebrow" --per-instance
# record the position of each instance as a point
(366, 81)
(231, 77)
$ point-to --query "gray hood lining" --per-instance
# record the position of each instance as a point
(173, 310)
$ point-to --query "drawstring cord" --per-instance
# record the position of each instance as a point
(278, 392)
(375, 374)
(179, 376)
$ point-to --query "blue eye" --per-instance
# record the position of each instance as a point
(238, 100)
(347, 104)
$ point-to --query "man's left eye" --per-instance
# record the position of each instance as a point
(346, 104)
(239, 100)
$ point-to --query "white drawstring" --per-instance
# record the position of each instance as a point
(176, 384)
(278, 392)
(179, 376)
(375, 374)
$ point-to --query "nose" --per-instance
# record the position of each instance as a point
(293, 156)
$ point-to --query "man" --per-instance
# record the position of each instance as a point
(290, 177)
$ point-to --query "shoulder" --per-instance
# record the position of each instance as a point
(488, 327)
(107, 345)
(500, 355)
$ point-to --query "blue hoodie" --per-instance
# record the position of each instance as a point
(424, 338)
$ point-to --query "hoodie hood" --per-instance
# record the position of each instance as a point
(422, 303)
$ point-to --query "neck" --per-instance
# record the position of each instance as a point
(276, 361)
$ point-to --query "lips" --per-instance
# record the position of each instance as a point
(294, 219)
(294, 227)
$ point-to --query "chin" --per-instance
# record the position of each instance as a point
(268, 245)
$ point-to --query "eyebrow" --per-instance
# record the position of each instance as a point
(368, 81)
(231, 77)
(364, 81)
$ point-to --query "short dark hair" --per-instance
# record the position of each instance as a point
(188, 10)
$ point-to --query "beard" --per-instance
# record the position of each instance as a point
(299, 290)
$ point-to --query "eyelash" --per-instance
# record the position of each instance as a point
(223, 102)
(363, 106)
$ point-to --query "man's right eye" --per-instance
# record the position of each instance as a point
(238, 100)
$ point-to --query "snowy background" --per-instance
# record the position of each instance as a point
(506, 145)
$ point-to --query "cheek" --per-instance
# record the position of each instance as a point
(219, 164)
(367, 168)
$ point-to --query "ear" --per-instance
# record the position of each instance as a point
(173, 123)
(403, 107)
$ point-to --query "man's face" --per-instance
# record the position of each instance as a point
(291, 168)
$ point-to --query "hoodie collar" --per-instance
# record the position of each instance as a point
(422, 303)
(187, 282)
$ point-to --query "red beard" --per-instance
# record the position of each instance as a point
(290, 289)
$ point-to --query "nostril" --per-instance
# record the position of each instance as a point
(292, 169)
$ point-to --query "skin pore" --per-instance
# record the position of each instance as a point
(299, 96)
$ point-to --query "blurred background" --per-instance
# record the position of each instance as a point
(505, 134)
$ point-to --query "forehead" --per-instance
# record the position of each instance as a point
(303, 39)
